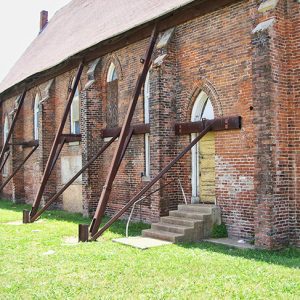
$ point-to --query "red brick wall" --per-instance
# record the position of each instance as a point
(293, 74)
(255, 76)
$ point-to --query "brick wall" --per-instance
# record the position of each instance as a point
(254, 75)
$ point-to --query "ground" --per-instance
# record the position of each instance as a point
(36, 262)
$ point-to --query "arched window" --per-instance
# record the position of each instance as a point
(112, 73)
(112, 97)
(147, 121)
(5, 135)
(75, 113)
(36, 112)
(203, 108)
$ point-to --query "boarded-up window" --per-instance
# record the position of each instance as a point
(112, 97)
(112, 104)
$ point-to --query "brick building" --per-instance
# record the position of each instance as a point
(212, 59)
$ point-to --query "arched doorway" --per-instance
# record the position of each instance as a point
(203, 155)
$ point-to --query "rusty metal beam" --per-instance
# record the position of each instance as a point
(55, 197)
(4, 162)
(56, 142)
(12, 127)
(137, 129)
(28, 144)
(152, 182)
(18, 168)
(227, 123)
(128, 139)
(69, 138)
(123, 135)
(61, 145)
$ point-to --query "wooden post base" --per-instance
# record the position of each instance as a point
(26, 216)
(83, 233)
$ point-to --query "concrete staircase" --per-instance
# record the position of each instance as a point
(190, 223)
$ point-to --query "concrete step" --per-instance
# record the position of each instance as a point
(163, 235)
(172, 228)
(202, 208)
(180, 221)
(190, 215)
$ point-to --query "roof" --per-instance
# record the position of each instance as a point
(80, 25)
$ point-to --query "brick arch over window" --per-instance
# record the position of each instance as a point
(108, 61)
(207, 88)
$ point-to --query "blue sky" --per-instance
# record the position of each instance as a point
(19, 25)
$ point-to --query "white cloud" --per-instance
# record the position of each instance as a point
(19, 25)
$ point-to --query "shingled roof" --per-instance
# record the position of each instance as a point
(80, 25)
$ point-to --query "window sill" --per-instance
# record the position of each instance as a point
(74, 143)
(146, 179)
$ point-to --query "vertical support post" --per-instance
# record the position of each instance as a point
(12, 126)
(83, 233)
(123, 135)
(56, 142)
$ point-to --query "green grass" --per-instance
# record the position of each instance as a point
(106, 270)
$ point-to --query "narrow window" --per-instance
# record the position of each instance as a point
(75, 113)
(36, 112)
(147, 121)
(5, 135)
(112, 97)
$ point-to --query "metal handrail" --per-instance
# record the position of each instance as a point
(140, 200)
(143, 198)
(182, 190)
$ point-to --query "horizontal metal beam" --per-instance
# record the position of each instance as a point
(228, 123)
(137, 129)
(69, 138)
(28, 144)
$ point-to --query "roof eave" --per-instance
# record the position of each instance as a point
(181, 15)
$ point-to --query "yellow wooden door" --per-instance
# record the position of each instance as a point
(207, 174)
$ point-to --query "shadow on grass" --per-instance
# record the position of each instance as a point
(118, 227)
(288, 257)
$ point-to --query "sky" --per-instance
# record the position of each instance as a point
(19, 25)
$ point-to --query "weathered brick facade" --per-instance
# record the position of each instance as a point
(245, 57)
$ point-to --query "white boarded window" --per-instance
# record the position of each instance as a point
(5, 135)
(36, 112)
(147, 121)
(75, 113)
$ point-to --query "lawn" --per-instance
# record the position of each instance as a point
(106, 270)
